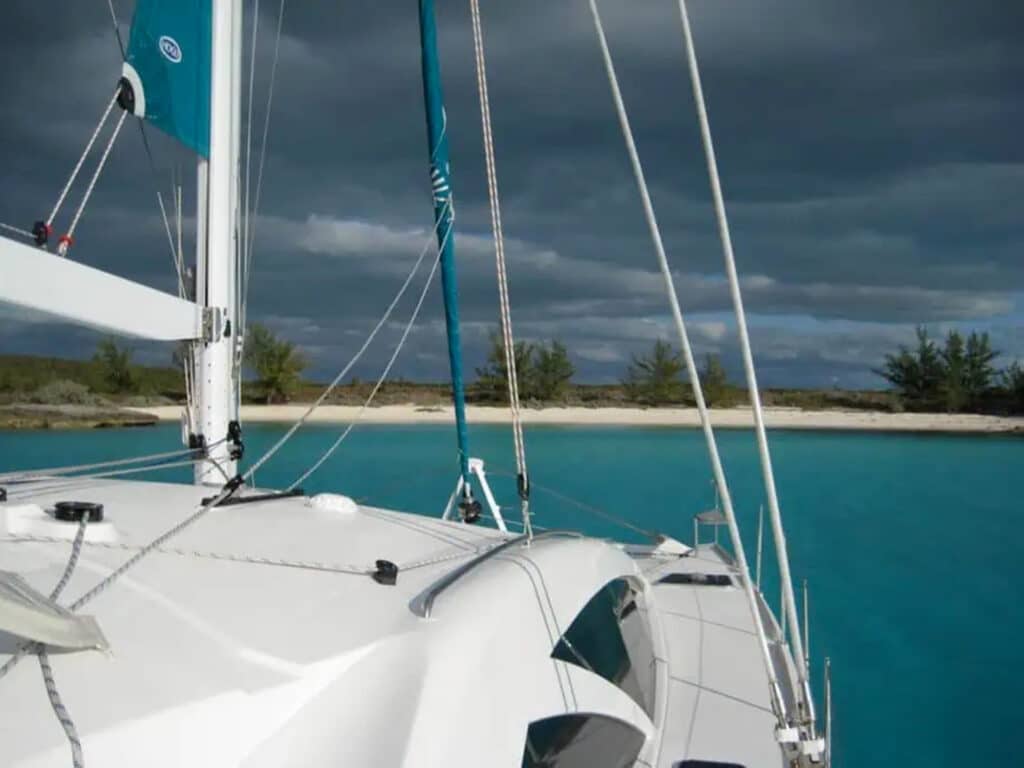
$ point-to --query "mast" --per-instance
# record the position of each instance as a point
(437, 137)
(217, 256)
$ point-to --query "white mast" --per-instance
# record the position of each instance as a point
(217, 261)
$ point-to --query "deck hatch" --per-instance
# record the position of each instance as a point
(611, 637)
(698, 579)
(575, 741)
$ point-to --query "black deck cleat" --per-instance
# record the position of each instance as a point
(386, 573)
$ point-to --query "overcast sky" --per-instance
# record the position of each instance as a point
(870, 152)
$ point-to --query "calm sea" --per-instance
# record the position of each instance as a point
(911, 545)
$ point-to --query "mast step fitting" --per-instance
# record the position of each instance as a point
(76, 511)
(470, 509)
(41, 232)
(386, 573)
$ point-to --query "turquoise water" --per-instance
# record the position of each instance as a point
(911, 545)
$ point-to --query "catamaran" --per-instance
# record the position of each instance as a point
(221, 624)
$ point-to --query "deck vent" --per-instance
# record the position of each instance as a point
(700, 580)
(75, 511)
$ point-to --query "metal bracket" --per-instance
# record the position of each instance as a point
(213, 324)
(476, 467)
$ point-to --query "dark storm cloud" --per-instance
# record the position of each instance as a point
(868, 153)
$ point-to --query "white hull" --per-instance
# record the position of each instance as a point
(257, 637)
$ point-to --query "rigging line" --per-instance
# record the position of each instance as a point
(355, 358)
(608, 516)
(499, 252)
(85, 153)
(384, 373)
(691, 366)
(61, 711)
(248, 140)
(263, 156)
(117, 27)
(65, 242)
(50, 472)
(748, 365)
(69, 481)
(17, 231)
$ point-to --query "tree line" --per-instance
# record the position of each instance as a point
(544, 373)
(956, 376)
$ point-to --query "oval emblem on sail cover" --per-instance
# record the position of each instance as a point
(170, 49)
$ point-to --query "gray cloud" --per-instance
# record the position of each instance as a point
(867, 151)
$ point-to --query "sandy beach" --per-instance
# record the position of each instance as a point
(739, 418)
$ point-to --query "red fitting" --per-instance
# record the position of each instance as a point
(66, 240)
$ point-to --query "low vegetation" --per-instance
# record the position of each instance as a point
(958, 375)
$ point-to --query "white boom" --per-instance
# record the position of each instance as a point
(41, 281)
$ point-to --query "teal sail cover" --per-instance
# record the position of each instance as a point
(168, 60)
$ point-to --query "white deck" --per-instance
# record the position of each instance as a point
(719, 702)
(220, 659)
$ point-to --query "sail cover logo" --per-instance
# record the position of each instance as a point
(170, 49)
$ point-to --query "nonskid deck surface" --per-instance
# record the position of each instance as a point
(718, 701)
(246, 617)
(253, 600)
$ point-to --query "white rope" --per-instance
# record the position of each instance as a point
(81, 159)
(691, 366)
(355, 358)
(62, 249)
(384, 373)
(748, 366)
(63, 716)
(499, 253)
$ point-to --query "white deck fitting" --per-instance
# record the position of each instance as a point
(218, 662)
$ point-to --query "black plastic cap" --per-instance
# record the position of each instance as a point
(76, 511)
(386, 573)
(125, 95)
(40, 232)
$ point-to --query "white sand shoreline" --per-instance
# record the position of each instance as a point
(777, 418)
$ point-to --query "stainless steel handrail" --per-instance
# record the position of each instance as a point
(423, 603)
